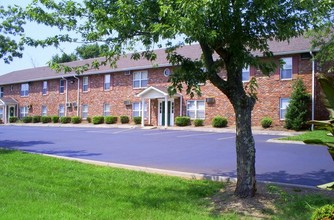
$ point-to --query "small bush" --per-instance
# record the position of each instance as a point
(27, 119)
(137, 120)
(13, 119)
(219, 122)
(266, 122)
(36, 119)
(182, 121)
(198, 122)
(89, 119)
(75, 120)
(55, 119)
(65, 120)
(1, 121)
(46, 119)
(124, 119)
(98, 120)
(110, 119)
(325, 212)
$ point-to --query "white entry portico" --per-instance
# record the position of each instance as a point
(8, 108)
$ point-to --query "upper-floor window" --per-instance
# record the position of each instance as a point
(1, 92)
(284, 103)
(106, 85)
(84, 113)
(106, 109)
(140, 79)
(245, 74)
(62, 86)
(61, 110)
(45, 87)
(44, 110)
(196, 109)
(24, 111)
(286, 68)
(85, 84)
(137, 109)
(24, 89)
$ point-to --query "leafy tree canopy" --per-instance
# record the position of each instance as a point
(64, 58)
(91, 51)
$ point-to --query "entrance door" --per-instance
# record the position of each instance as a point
(11, 111)
(162, 113)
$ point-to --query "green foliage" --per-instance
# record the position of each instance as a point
(219, 122)
(91, 51)
(266, 122)
(75, 120)
(137, 120)
(65, 120)
(297, 110)
(27, 119)
(89, 119)
(198, 122)
(64, 58)
(110, 119)
(46, 119)
(124, 119)
(182, 121)
(36, 119)
(13, 119)
(98, 120)
(325, 212)
(55, 118)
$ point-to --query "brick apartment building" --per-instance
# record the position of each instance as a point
(135, 88)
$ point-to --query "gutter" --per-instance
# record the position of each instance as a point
(78, 96)
(313, 89)
(66, 97)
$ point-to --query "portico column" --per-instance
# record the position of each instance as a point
(142, 111)
(166, 112)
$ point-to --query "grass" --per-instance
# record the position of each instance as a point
(312, 135)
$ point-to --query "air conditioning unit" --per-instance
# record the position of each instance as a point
(68, 104)
(210, 100)
(127, 73)
(29, 107)
(74, 104)
(127, 102)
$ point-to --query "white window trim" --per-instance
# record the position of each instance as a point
(106, 113)
(46, 110)
(61, 110)
(140, 80)
(24, 93)
(196, 108)
(281, 109)
(140, 109)
(60, 86)
(85, 84)
(45, 88)
(282, 68)
(83, 110)
(107, 76)
(24, 111)
(246, 70)
(1, 91)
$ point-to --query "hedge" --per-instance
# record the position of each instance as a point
(137, 120)
(75, 120)
(98, 120)
(182, 121)
(124, 119)
(110, 119)
(46, 119)
(36, 119)
(65, 120)
(219, 122)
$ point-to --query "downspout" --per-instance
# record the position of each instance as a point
(66, 97)
(313, 88)
(78, 96)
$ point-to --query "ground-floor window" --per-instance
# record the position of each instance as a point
(24, 111)
(84, 113)
(1, 113)
(106, 109)
(196, 109)
(137, 109)
(44, 110)
(284, 103)
(61, 111)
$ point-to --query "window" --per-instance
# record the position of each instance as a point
(140, 79)
(284, 102)
(62, 86)
(61, 111)
(286, 69)
(1, 92)
(1, 113)
(137, 109)
(245, 74)
(84, 113)
(44, 110)
(24, 89)
(106, 82)
(106, 110)
(85, 84)
(45, 87)
(196, 109)
(24, 111)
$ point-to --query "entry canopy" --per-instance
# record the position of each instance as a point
(8, 101)
(154, 92)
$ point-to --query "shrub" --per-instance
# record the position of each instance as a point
(198, 122)
(1, 121)
(36, 119)
(110, 119)
(55, 119)
(137, 120)
(27, 119)
(182, 121)
(266, 122)
(65, 120)
(89, 119)
(297, 110)
(124, 119)
(219, 122)
(75, 120)
(13, 119)
(98, 120)
(324, 212)
(46, 119)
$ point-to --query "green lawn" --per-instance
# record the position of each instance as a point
(312, 135)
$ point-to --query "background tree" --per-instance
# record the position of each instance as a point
(227, 32)
(91, 51)
(64, 58)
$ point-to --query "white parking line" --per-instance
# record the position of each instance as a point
(160, 133)
(225, 138)
(191, 135)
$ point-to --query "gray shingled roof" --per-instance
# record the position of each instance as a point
(295, 45)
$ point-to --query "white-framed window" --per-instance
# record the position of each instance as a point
(45, 87)
(61, 110)
(137, 109)
(1, 91)
(283, 105)
(106, 109)
(24, 89)
(85, 84)
(106, 85)
(245, 74)
(140, 79)
(24, 111)
(196, 109)
(84, 113)
(286, 68)
(44, 110)
(1, 113)
(62, 86)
